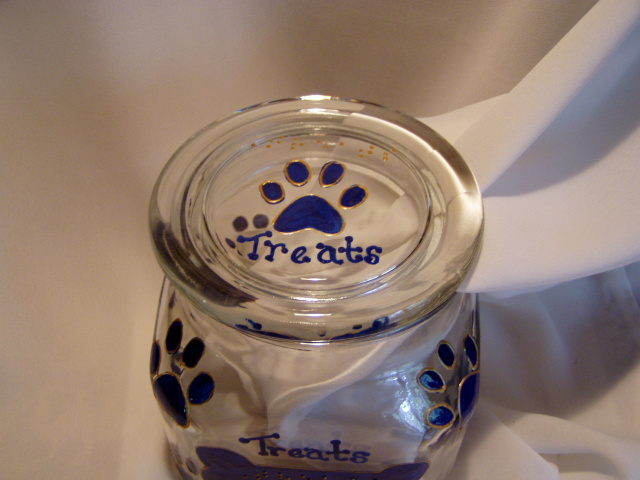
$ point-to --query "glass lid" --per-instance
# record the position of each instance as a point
(313, 215)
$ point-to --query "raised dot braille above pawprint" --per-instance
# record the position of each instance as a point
(312, 212)
(168, 386)
(433, 380)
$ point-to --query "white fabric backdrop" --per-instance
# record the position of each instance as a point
(540, 96)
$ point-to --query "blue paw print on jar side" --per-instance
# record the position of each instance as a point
(312, 211)
(168, 387)
(443, 415)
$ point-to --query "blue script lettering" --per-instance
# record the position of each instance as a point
(298, 255)
(331, 253)
(349, 250)
(256, 241)
(326, 253)
(337, 453)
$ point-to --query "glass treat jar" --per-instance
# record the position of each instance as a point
(309, 326)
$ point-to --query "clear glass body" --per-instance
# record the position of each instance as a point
(309, 326)
(389, 409)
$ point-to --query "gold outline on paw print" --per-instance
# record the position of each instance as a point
(438, 405)
(268, 200)
(432, 390)
(327, 165)
(290, 180)
(455, 358)
(366, 195)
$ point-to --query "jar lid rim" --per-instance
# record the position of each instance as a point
(420, 280)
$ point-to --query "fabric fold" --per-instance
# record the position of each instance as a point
(561, 438)
(505, 132)
(557, 159)
(560, 374)
(489, 450)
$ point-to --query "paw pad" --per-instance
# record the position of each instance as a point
(312, 211)
(331, 174)
(442, 415)
(297, 172)
(168, 386)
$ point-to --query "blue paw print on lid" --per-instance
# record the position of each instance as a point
(312, 211)
(442, 415)
(167, 387)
